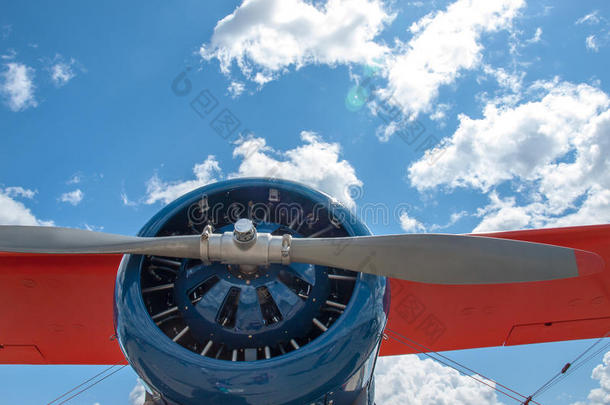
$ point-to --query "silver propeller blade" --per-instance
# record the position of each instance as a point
(447, 259)
(42, 239)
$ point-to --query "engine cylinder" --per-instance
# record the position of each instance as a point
(215, 333)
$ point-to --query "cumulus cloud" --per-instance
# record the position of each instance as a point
(75, 179)
(591, 43)
(315, 162)
(19, 192)
(14, 212)
(126, 201)
(409, 380)
(601, 37)
(601, 395)
(411, 225)
(236, 88)
(445, 44)
(537, 36)
(453, 219)
(62, 71)
(553, 148)
(73, 197)
(591, 18)
(515, 141)
(166, 192)
(9, 55)
(17, 86)
(504, 214)
(265, 37)
(510, 83)
(137, 394)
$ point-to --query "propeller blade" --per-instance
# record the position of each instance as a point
(42, 239)
(447, 259)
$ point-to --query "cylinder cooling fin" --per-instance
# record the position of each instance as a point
(224, 322)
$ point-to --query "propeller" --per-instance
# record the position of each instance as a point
(428, 258)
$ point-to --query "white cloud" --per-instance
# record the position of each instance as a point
(510, 81)
(236, 88)
(13, 212)
(591, 18)
(73, 197)
(166, 192)
(445, 44)
(137, 394)
(409, 380)
(315, 162)
(126, 201)
(9, 55)
(513, 141)
(453, 219)
(601, 37)
(440, 112)
(94, 228)
(537, 36)
(74, 179)
(411, 225)
(503, 215)
(601, 395)
(553, 148)
(17, 87)
(591, 43)
(62, 72)
(19, 192)
(264, 37)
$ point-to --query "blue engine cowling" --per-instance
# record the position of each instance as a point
(209, 333)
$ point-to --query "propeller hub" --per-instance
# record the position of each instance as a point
(245, 231)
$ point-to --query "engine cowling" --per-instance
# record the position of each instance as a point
(285, 334)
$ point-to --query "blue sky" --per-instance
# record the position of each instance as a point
(99, 130)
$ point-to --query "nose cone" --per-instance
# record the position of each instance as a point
(244, 230)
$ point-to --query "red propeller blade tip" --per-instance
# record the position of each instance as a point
(588, 262)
